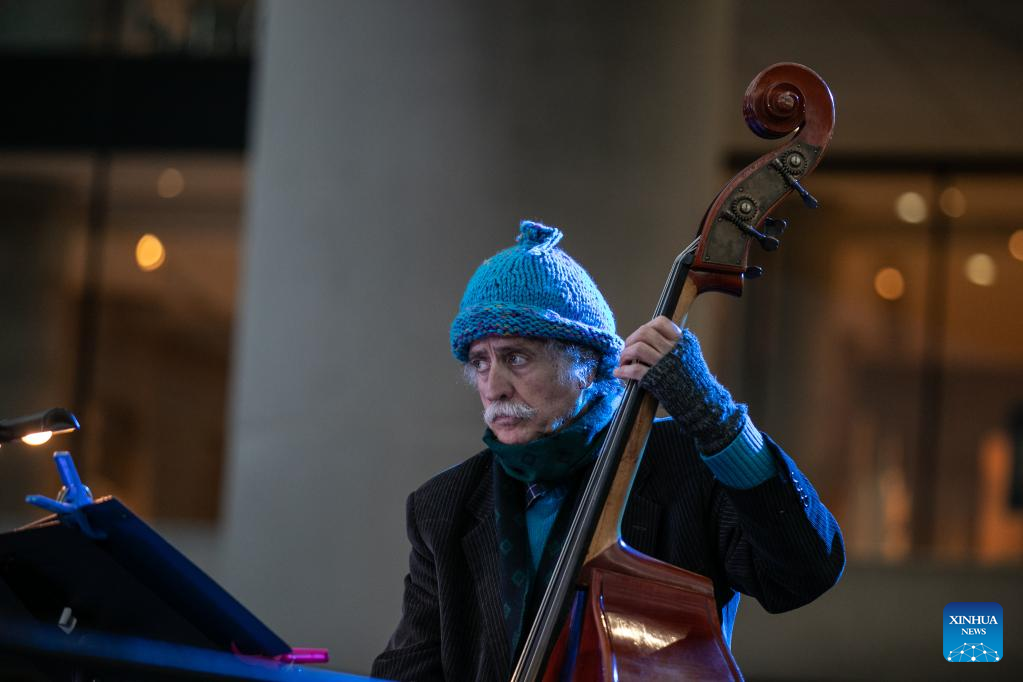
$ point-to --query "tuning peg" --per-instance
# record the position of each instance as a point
(808, 199)
(775, 226)
(767, 243)
(795, 160)
(753, 272)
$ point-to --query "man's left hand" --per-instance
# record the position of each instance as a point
(646, 346)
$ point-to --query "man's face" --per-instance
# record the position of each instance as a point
(526, 391)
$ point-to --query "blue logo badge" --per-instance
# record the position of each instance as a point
(972, 632)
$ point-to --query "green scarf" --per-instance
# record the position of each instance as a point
(556, 457)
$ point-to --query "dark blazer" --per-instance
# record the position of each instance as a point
(776, 542)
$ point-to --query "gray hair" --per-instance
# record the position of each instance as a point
(576, 361)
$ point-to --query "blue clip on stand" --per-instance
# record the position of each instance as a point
(72, 496)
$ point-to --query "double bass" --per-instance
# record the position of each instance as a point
(610, 612)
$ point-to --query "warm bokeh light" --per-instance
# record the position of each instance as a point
(911, 207)
(1016, 244)
(980, 269)
(170, 184)
(889, 284)
(37, 438)
(952, 202)
(149, 253)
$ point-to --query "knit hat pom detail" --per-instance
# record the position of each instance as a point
(537, 237)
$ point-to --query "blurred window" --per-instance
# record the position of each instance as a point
(885, 349)
(144, 363)
(122, 176)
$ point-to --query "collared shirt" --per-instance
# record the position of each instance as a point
(542, 505)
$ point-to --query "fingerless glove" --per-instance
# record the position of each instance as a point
(683, 384)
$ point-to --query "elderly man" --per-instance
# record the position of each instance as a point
(713, 495)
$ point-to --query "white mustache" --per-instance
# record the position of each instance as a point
(507, 408)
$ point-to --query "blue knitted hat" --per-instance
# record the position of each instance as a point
(534, 289)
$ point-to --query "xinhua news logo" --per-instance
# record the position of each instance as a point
(972, 632)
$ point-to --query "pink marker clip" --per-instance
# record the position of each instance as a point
(304, 655)
(296, 655)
